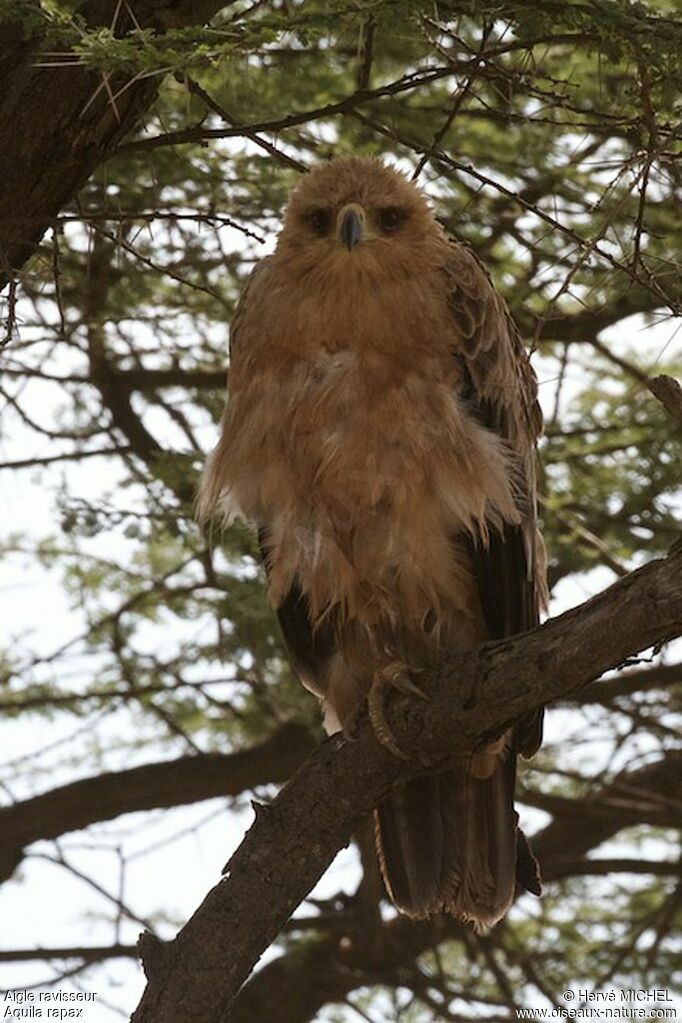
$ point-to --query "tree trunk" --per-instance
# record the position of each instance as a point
(57, 124)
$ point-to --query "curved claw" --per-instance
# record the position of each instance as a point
(398, 676)
(349, 729)
(394, 676)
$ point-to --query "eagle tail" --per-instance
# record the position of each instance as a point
(451, 843)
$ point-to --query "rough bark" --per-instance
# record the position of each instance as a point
(294, 987)
(64, 133)
(347, 954)
(291, 842)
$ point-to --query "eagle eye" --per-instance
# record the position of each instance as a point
(390, 218)
(320, 220)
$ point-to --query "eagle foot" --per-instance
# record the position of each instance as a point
(395, 675)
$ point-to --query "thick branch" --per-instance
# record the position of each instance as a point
(86, 953)
(293, 841)
(294, 987)
(659, 676)
(187, 780)
(608, 810)
(347, 955)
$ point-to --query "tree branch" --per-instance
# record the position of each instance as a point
(169, 783)
(294, 987)
(75, 124)
(659, 676)
(293, 841)
(86, 953)
(563, 842)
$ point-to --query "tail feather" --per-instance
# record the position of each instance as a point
(410, 842)
(450, 843)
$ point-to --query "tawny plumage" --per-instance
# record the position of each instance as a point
(380, 434)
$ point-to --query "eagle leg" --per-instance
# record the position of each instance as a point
(395, 675)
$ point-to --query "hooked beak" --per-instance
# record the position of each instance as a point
(351, 225)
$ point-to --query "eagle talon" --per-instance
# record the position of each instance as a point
(394, 676)
(398, 676)
(351, 724)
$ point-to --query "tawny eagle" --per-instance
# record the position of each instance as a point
(380, 433)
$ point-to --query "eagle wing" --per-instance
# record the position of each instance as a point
(452, 841)
(500, 389)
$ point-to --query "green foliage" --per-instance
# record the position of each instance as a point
(551, 136)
